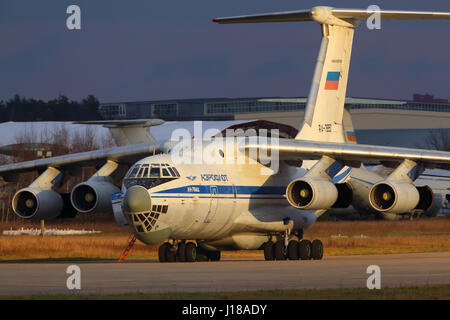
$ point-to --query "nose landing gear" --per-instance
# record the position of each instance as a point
(185, 252)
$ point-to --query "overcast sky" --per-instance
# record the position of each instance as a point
(145, 50)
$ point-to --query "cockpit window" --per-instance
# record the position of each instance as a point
(154, 172)
(172, 172)
(133, 172)
(150, 175)
(165, 172)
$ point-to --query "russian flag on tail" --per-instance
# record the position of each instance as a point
(332, 82)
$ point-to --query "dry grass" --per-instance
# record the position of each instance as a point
(339, 238)
(381, 237)
(107, 245)
(72, 247)
(381, 227)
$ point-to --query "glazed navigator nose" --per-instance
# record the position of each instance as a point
(136, 199)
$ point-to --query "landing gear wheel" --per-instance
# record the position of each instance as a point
(191, 252)
(268, 251)
(279, 250)
(292, 250)
(181, 252)
(171, 254)
(214, 255)
(162, 252)
(202, 254)
(317, 249)
(304, 250)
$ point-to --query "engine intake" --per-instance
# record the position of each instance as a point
(36, 204)
(316, 194)
(93, 196)
(400, 197)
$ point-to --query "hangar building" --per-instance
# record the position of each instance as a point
(377, 121)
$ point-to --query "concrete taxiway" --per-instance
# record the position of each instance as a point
(109, 277)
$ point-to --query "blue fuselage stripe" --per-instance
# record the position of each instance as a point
(227, 190)
(368, 182)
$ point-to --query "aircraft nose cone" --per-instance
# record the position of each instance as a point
(137, 199)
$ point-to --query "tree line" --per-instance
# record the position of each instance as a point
(58, 109)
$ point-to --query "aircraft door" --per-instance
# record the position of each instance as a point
(213, 203)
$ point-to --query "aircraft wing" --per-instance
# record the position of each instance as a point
(289, 149)
(124, 154)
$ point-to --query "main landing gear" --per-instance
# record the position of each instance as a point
(185, 252)
(295, 250)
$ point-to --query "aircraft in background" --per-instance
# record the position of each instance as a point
(438, 180)
(202, 208)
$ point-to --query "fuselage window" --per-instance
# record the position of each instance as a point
(140, 172)
(145, 174)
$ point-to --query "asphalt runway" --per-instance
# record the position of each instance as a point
(108, 277)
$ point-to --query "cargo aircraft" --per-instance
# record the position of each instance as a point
(197, 209)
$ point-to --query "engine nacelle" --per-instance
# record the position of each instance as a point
(36, 204)
(315, 194)
(93, 196)
(436, 206)
(400, 197)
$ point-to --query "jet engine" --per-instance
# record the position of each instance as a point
(37, 204)
(400, 197)
(311, 193)
(93, 196)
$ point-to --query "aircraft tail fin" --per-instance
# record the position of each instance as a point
(349, 130)
(324, 113)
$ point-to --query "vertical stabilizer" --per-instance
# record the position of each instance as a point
(323, 120)
(349, 129)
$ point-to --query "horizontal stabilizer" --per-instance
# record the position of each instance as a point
(324, 112)
(323, 14)
(124, 123)
(301, 15)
